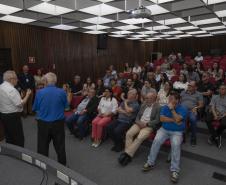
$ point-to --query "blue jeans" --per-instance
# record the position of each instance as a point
(79, 121)
(176, 138)
(193, 123)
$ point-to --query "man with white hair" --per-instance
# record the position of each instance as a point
(11, 106)
(50, 103)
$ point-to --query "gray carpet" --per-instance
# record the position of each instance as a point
(100, 164)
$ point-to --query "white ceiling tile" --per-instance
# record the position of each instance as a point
(135, 21)
(134, 38)
(155, 28)
(205, 21)
(218, 32)
(122, 32)
(196, 32)
(140, 36)
(205, 35)
(182, 36)
(119, 36)
(96, 27)
(171, 21)
(4, 9)
(105, 1)
(98, 20)
(162, 36)
(172, 38)
(63, 27)
(213, 1)
(101, 10)
(147, 32)
(10, 18)
(173, 32)
(213, 28)
(50, 9)
(186, 28)
(161, 1)
(156, 9)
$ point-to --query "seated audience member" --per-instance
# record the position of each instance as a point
(137, 84)
(151, 78)
(67, 89)
(173, 118)
(147, 68)
(38, 79)
(182, 84)
(192, 75)
(217, 112)
(127, 112)
(88, 84)
(165, 66)
(76, 85)
(172, 58)
(193, 101)
(99, 87)
(49, 104)
(120, 80)
(206, 89)
(157, 74)
(136, 69)
(180, 59)
(162, 81)
(116, 89)
(127, 68)
(199, 57)
(113, 71)
(199, 69)
(125, 89)
(184, 69)
(107, 78)
(85, 111)
(163, 94)
(106, 109)
(146, 89)
(171, 72)
(147, 121)
(216, 73)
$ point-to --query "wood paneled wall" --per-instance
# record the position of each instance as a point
(76, 53)
(71, 52)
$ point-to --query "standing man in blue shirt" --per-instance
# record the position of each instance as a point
(49, 105)
(173, 117)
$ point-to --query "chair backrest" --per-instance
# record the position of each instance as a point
(76, 100)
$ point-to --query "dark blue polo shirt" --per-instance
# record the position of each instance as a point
(171, 126)
(50, 103)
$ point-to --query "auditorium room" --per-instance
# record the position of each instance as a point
(112, 92)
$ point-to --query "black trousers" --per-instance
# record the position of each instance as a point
(219, 131)
(55, 131)
(116, 130)
(13, 128)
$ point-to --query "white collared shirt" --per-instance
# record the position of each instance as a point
(107, 106)
(10, 99)
(146, 114)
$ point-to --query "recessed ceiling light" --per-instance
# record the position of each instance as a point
(172, 32)
(213, 28)
(161, 1)
(135, 21)
(147, 32)
(162, 27)
(205, 21)
(98, 20)
(221, 13)
(171, 21)
(127, 27)
(117, 36)
(95, 32)
(205, 35)
(10, 18)
(196, 32)
(186, 28)
(218, 32)
(96, 27)
(50, 9)
(4, 9)
(122, 32)
(63, 27)
(101, 10)
(181, 36)
(156, 9)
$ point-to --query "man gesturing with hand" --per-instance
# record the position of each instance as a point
(173, 118)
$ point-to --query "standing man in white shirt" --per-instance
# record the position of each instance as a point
(11, 106)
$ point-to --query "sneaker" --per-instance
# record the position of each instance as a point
(218, 141)
(210, 140)
(174, 177)
(147, 167)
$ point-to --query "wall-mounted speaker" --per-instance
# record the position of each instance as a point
(102, 41)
